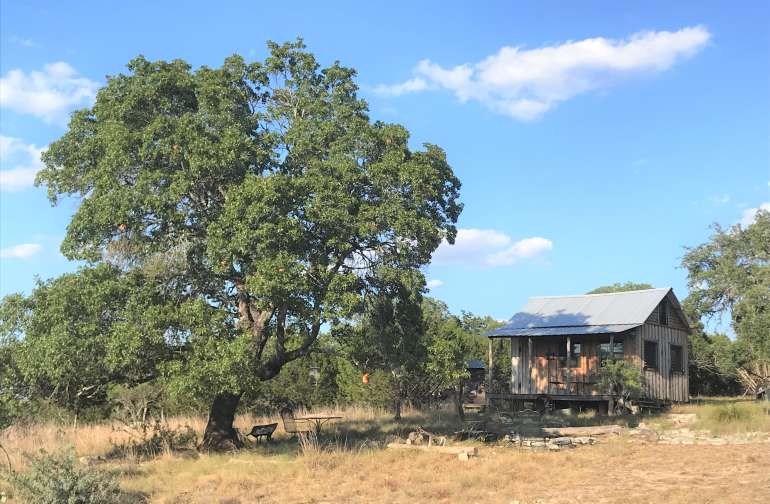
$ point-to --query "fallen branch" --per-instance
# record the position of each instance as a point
(583, 431)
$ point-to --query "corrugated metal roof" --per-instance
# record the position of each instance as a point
(475, 364)
(586, 314)
(560, 331)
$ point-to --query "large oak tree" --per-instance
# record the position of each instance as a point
(259, 195)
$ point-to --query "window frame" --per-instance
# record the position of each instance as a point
(656, 366)
(680, 364)
(612, 353)
(573, 357)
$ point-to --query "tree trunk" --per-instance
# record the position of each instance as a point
(459, 401)
(397, 407)
(220, 435)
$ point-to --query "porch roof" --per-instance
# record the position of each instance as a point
(507, 332)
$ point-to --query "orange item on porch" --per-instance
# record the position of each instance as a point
(365, 378)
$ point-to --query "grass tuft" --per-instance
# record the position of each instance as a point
(734, 417)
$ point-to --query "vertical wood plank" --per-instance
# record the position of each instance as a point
(489, 367)
(514, 365)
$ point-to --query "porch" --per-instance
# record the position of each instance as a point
(563, 367)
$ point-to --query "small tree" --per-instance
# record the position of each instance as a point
(623, 380)
(389, 337)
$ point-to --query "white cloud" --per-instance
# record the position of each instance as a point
(750, 214)
(526, 83)
(488, 247)
(432, 284)
(22, 251)
(19, 163)
(522, 249)
(410, 86)
(49, 94)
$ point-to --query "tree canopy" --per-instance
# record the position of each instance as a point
(730, 276)
(620, 287)
(258, 196)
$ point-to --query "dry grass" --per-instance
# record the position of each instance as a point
(614, 472)
(727, 415)
(344, 467)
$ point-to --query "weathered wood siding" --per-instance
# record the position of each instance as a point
(537, 369)
(674, 320)
(661, 382)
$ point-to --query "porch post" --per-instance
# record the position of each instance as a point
(530, 366)
(568, 374)
(489, 368)
(514, 365)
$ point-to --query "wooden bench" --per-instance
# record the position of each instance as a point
(266, 431)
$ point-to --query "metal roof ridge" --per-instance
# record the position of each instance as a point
(602, 293)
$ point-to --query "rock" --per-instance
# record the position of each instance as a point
(414, 438)
(682, 418)
(553, 447)
(464, 456)
(91, 460)
(583, 440)
(561, 441)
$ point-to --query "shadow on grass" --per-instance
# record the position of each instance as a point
(359, 435)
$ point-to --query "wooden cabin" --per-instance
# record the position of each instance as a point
(558, 344)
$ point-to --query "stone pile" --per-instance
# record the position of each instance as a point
(548, 443)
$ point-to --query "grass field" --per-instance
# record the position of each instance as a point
(348, 465)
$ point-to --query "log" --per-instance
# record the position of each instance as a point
(452, 450)
(583, 431)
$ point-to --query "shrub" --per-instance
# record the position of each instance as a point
(622, 379)
(152, 438)
(57, 478)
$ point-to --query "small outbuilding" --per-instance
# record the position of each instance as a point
(558, 345)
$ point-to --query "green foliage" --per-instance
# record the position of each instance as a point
(57, 478)
(308, 382)
(259, 197)
(412, 348)
(620, 287)
(730, 275)
(622, 379)
(135, 404)
(379, 392)
(84, 331)
(11, 386)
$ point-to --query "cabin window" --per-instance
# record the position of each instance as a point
(677, 359)
(650, 355)
(663, 313)
(574, 355)
(614, 353)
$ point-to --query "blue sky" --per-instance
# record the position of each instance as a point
(594, 140)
